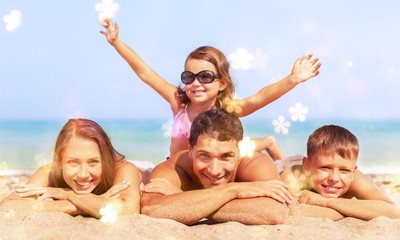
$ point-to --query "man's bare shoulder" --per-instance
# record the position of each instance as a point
(259, 167)
(177, 169)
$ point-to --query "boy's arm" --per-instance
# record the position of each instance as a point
(362, 209)
(303, 69)
(363, 188)
(372, 202)
(296, 180)
(142, 70)
(363, 200)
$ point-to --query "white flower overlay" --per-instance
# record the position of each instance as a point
(108, 213)
(43, 158)
(167, 128)
(3, 165)
(298, 112)
(260, 60)
(281, 125)
(247, 147)
(106, 9)
(12, 20)
(241, 59)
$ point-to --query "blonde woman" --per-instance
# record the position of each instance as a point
(87, 173)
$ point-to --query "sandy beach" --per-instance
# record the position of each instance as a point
(45, 225)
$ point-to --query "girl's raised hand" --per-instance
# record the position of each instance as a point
(112, 30)
(305, 68)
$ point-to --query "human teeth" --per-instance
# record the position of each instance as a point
(83, 183)
(214, 179)
(331, 189)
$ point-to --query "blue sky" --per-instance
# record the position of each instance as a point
(54, 64)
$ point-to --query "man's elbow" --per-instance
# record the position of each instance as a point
(155, 212)
(278, 216)
(264, 218)
(4, 205)
(394, 214)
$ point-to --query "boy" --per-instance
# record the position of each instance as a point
(329, 177)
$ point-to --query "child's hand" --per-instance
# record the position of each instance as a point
(111, 32)
(312, 198)
(305, 68)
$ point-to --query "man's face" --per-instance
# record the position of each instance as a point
(330, 176)
(214, 162)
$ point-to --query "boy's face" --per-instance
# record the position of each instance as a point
(330, 176)
(214, 162)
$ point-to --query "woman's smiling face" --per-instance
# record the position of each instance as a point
(81, 165)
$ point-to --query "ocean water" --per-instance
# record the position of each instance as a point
(29, 144)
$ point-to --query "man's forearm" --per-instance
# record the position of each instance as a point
(186, 207)
(252, 211)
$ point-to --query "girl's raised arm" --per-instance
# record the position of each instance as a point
(303, 69)
(142, 70)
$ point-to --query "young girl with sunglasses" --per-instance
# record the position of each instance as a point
(208, 85)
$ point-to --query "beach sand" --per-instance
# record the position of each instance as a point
(44, 225)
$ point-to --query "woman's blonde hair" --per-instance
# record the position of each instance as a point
(87, 129)
(221, 64)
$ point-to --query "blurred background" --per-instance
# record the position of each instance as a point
(55, 65)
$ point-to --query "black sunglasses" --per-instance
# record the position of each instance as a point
(205, 76)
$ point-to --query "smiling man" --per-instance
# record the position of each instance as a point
(211, 180)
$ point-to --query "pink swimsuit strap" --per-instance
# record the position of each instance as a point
(181, 125)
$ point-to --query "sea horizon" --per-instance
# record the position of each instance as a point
(27, 144)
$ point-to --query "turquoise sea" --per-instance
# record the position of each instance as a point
(28, 144)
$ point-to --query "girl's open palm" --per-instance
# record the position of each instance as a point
(305, 68)
(112, 30)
